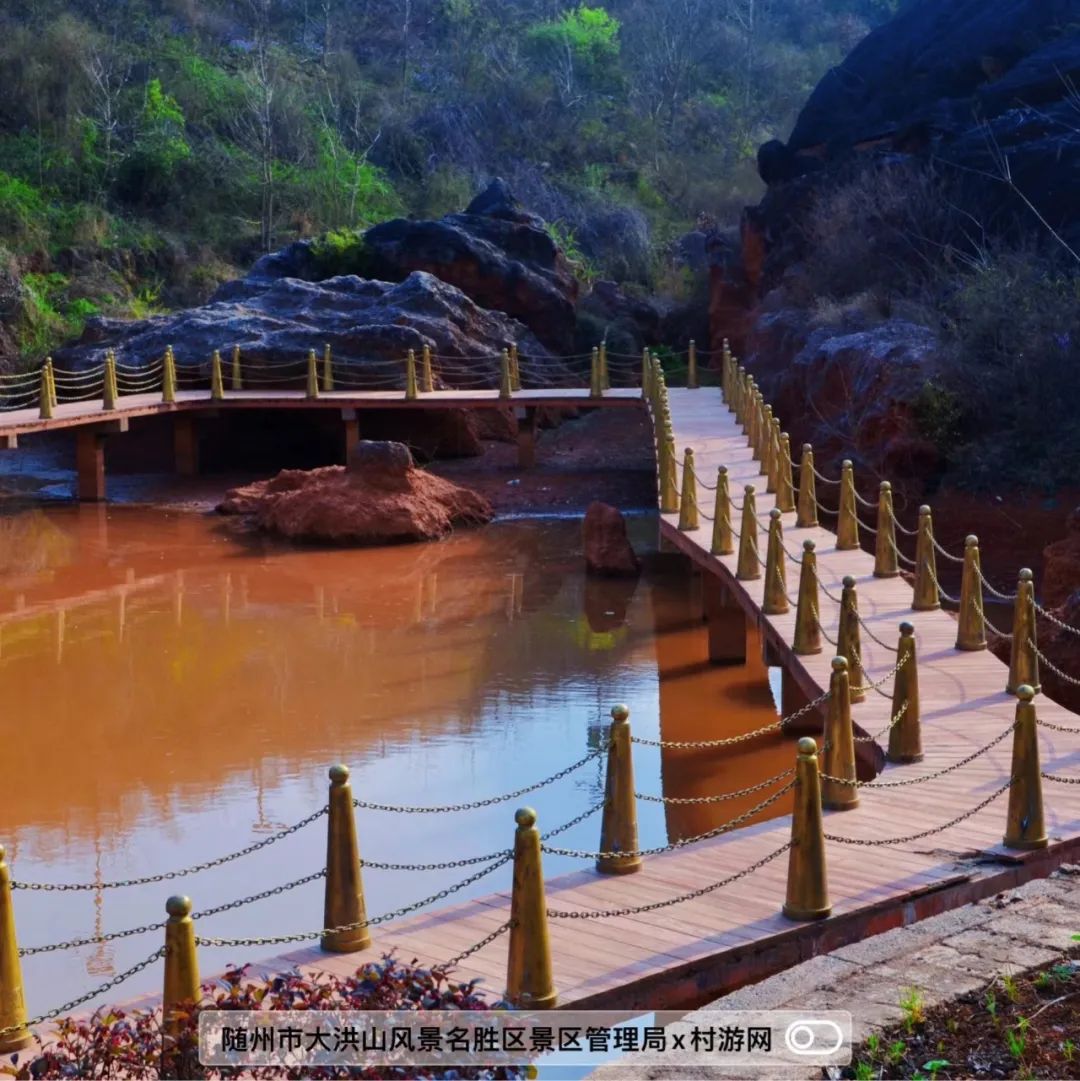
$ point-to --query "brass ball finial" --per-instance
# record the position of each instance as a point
(722, 470)
(178, 906)
(924, 509)
(907, 629)
(808, 545)
(839, 664)
(885, 486)
(1027, 575)
(808, 447)
(807, 746)
(970, 541)
(1025, 692)
(774, 514)
(525, 817)
(848, 581)
(339, 774)
(620, 713)
(749, 489)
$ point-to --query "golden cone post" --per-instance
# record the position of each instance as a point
(751, 426)
(181, 961)
(763, 449)
(775, 602)
(849, 640)
(506, 381)
(772, 456)
(45, 403)
(311, 390)
(806, 514)
(596, 382)
(217, 383)
(237, 377)
(108, 382)
(688, 505)
(785, 489)
(847, 526)
(807, 629)
(168, 377)
(691, 366)
(529, 983)
(411, 389)
(427, 378)
(327, 369)
(970, 620)
(1025, 826)
(924, 597)
(723, 544)
(1024, 661)
(669, 494)
(905, 736)
(885, 557)
(807, 882)
(838, 789)
(515, 368)
(618, 830)
(748, 566)
(52, 381)
(344, 898)
(14, 1035)
(605, 375)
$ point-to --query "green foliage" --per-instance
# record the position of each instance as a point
(589, 32)
(22, 211)
(48, 315)
(911, 1002)
(341, 251)
(939, 414)
(565, 238)
(344, 188)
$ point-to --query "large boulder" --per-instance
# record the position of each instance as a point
(379, 498)
(496, 253)
(608, 552)
(370, 326)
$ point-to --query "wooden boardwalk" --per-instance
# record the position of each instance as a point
(681, 954)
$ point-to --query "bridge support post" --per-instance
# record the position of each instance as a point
(186, 445)
(12, 1003)
(793, 697)
(849, 639)
(619, 830)
(726, 623)
(1026, 824)
(526, 436)
(529, 982)
(344, 900)
(90, 464)
(807, 881)
(838, 789)
(351, 431)
(1024, 661)
(181, 962)
(905, 731)
(770, 655)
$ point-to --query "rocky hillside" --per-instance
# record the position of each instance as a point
(912, 269)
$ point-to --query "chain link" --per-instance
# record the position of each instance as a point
(31, 951)
(948, 555)
(476, 947)
(893, 722)
(1059, 779)
(490, 801)
(990, 627)
(1051, 618)
(925, 833)
(716, 831)
(1064, 676)
(685, 800)
(166, 876)
(888, 675)
(636, 910)
(995, 592)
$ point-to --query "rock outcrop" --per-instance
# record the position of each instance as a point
(370, 326)
(608, 552)
(496, 253)
(379, 498)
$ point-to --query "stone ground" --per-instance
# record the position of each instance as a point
(944, 956)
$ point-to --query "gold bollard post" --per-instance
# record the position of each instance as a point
(775, 602)
(181, 961)
(237, 377)
(109, 392)
(217, 384)
(327, 369)
(344, 895)
(838, 789)
(723, 543)
(1026, 824)
(749, 568)
(905, 735)
(970, 621)
(515, 368)
(764, 441)
(688, 504)
(596, 382)
(753, 417)
(411, 390)
(885, 557)
(168, 377)
(427, 378)
(45, 402)
(806, 513)
(849, 640)
(807, 629)
(529, 983)
(605, 375)
(312, 389)
(847, 525)
(785, 489)
(52, 381)
(772, 455)
(925, 597)
(669, 494)
(691, 366)
(807, 880)
(506, 380)
(1024, 660)
(619, 831)
(14, 1035)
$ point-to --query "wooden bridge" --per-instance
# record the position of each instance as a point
(705, 915)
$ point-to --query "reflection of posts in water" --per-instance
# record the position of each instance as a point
(243, 592)
(178, 599)
(121, 614)
(59, 632)
(431, 594)
(100, 511)
(517, 593)
(607, 602)
(320, 603)
(226, 597)
(100, 962)
(726, 622)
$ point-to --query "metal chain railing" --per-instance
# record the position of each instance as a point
(876, 685)
(689, 800)
(1043, 659)
(893, 722)
(475, 948)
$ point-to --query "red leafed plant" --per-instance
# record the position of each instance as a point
(116, 1043)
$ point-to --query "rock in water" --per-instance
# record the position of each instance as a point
(380, 498)
(608, 551)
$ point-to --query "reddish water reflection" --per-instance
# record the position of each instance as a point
(172, 695)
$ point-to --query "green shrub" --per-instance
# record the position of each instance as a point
(342, 251)
(590, 32)
(23, 221)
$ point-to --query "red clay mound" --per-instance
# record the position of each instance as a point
(381, 498)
